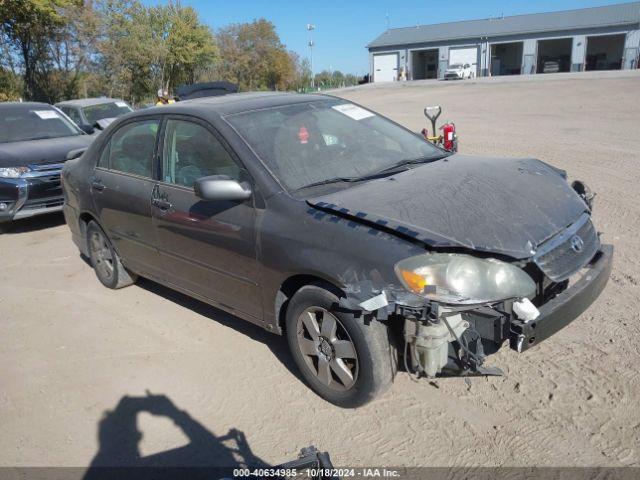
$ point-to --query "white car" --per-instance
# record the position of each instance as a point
(458, 71)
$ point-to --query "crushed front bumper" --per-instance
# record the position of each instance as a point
(35, 193)
(566, 306)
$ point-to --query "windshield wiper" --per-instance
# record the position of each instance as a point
(411, 161)
(41, 137)
(330, 181)
(380, 173)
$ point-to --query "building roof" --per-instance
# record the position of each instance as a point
(608, 16)
(87, 102)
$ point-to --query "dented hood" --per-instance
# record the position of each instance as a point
(498, 205)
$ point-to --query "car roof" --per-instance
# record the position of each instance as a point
(25, 105)
(87, 102)
(233, 103)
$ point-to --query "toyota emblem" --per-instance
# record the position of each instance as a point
(577, 244)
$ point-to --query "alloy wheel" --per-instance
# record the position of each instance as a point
(327, 349)
(101, 255)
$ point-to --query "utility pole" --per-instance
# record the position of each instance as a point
(310, 29)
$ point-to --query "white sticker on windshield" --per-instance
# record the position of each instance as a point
(121, 104)
(46, 114)
(353, 111)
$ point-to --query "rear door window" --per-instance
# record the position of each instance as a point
(131, 148)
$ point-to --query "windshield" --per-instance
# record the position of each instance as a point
(308, 143)
(105, 110)
(20, 123)
(456, 66)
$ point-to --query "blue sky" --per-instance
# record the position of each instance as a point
(343, 28)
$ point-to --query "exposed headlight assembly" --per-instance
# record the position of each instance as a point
(13, 172)
(463, 279)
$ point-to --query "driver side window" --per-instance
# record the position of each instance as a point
(191, 152)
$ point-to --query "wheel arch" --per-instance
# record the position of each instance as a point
(83, 221)
(291, 285)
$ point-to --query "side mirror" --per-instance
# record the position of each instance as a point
(88, 129)
(77, 153)
(103, 123)
(221, 188)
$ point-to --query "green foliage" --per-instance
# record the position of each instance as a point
(28, 27)
(191, 46)
(254, 58)
(337, 79)
(57, 49)
(148, 48)
(10, 85)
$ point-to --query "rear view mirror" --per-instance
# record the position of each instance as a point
(221, 188)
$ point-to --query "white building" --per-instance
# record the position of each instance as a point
(599, 38)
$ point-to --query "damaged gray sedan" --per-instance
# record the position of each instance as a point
(368, 247)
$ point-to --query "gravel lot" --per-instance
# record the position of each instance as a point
(77, 360)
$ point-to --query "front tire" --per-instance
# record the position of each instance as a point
(342, 359)
(105, 260)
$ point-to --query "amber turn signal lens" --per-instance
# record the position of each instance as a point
(414, 281)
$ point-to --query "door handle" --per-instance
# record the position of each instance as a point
(97, 184)
(161, 204)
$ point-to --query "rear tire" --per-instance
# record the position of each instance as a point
(105, 260)
(342, 359)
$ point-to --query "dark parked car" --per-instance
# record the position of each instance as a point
(361, 242)
(208, 89)
(35, 140)
(93, 114)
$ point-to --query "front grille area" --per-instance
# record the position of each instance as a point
(569, 251)
(46, 167)
(41, 205)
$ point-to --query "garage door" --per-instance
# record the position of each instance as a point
(464, 55)
(385, 67)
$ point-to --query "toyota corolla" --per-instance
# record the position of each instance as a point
(315, 218)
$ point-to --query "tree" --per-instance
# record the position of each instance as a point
(253, 56)
(191, 46)
(302, 67)
(28, 27)
(324, 79)
(10, 81)
(55, 49)
(72, 51)
(10, 85)
(147, 48)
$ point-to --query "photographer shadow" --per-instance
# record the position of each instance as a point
(206, 454)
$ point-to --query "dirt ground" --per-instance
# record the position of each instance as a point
(83, 369)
